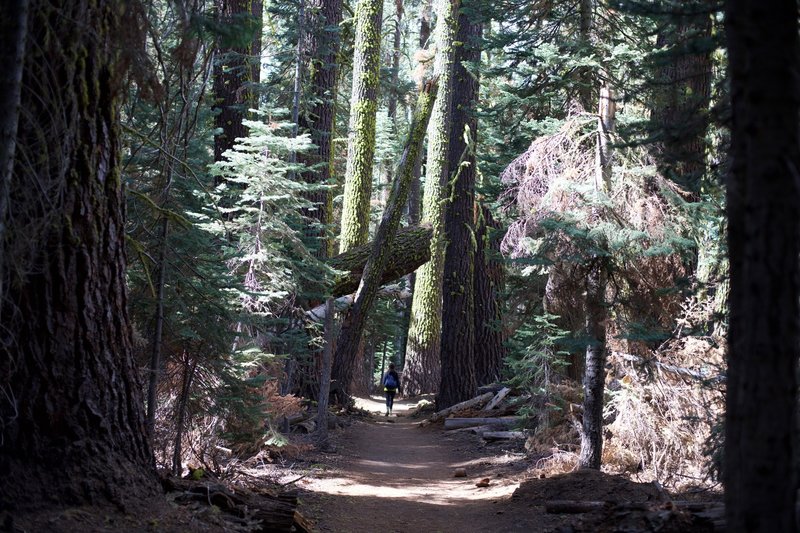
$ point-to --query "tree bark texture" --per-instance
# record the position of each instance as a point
(71, 409)
(323, 42)
(489, 285)
(458, 382)
(13, 36)
(410, 249)
(594, 377)
(422, 372)
(237, 68)
(763, 206)
(353, 324)
(361, 134)
(683, 94)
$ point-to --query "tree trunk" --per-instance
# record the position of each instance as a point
(13, 34)
(189, 364)
(237, 69)
(73, 420)
(361, 134)
(410, 249)
(489, 284)
(353, 325)
(683, 94)
(762, 203)
(458, 303)
(323, 37)
(596, 308)
(321, 433)
(423, 367)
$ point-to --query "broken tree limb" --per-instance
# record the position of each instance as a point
(497, 399)
(503, 435)
(469, 404)
(410, 250)
(340, 304)
(500, 421)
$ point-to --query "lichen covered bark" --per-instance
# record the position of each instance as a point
(361, 134)
(353, 325)
(422, 370)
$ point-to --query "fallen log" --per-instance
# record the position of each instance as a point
(503, 435)
(502, 421)
(497, 399)
(478, 401)
(340, 304)
(410, 250)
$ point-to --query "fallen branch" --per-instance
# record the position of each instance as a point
(504, 435)
(497, 399)
(469, 404)
(503, 421)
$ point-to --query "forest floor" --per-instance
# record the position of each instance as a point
(389, 474)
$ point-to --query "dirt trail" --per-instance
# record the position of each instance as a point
(390, 475)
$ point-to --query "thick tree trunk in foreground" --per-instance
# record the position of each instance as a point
(422, 369)
(13, 36)
(237, 68)
(763, 202)
(410, 249)
(458, 281)
(353, 325)
(71, 409)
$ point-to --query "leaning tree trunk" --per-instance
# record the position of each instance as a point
(410, 249)
(422, 370)
(236, 69)
(353, 324)
(763, 202)
(72, 413)
(458, 304)
(594, 377)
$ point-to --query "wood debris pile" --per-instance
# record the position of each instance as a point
(492, 415)
(256, 510)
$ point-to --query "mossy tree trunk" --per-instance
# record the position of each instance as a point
(361, 134)
(72, 412)
(763, 202)
(422, 372)
(237, 68)
(458, 382)
(353, 324)
(360, 154)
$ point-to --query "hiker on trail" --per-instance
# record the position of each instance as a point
(391, 384)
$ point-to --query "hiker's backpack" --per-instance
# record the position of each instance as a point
(390, 382)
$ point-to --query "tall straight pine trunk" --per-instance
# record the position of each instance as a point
(458, 284)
